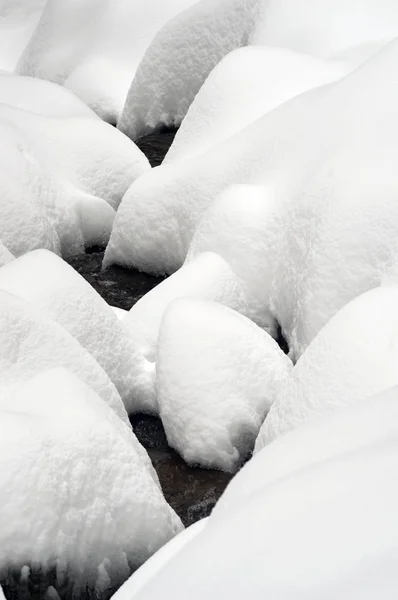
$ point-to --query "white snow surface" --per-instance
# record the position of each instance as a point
(186, 50)
(5, 255)
(119, 312)
(207, 277)
(325, 159)
(30, 342)
(55, 288)
(18, 19)
(55, 434)
(323, 437)
(246, 84)
(327, 531)
(217, 376)
(94, 48)
(2, 597)
(353, 356)
(148, 570)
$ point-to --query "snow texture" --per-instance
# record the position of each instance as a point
(55, 433)
(5, 255)
(46, 281)
(208, 277)
(353, 356)
(18, 19)
(119, 312)
(109, 40)
(217, 376)
(322, 438)
(325, 159)
(185, 51)
(157, 561)
(30, 343)
(327, 531)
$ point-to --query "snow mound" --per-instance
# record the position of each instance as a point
(158, 560)
(207, 277)
(91, 531)
(18, 19)
(109, 40)
(30, 343)
(326, 532)
(5, 255)
(325, 159)
(217, 376)
(353, 356)
(322, 438)
(41, 97)
(46, 281)
(119, 312)
(186, 49)
(245, 85)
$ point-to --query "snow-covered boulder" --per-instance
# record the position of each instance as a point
(41, 97)
(186, 50)
(18, 19)
(327, 531)
(30, 342)
(94, 48)
(245, 85)
(217, 376)
(322, 438)
(119, 312)
(206, 277)
(78, 497)
(158, 560)
(354, 355)
(5, 255)
(58, 291)
(326, 161)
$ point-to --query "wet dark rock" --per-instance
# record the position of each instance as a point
(156, 144)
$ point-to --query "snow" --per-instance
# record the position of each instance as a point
(119, 312)
(346, 429)
(18, 19)
(109, 40)
(186, 50)
(325, 161)
(327, 531)
(30, 342)
(55, 433)
(41, 97)
(5, 254)
(246, 84)
(217, 376)
(206, 277)
(157, 561)
(354, 355)
(55, 288)
(2, 597)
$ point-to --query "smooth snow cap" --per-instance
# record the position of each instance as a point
(45, 280)
(55, 435)
(217, 376)
(30, 343)
(353, 356)
(207, 277)
(18, 19)
(157, 561)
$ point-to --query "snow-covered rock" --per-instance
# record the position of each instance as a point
(353, 356)
(5, 255)
(157, 561)
(30, 342)
(217, 376)
(46, 281)
(119, 312)
(94, 48)
(186, 50)
(77, 496)
(2, 597)
(246, 84)
(323, 437)
(325, 159)
(206, 277)
(18, 19)
(41, 97)
(327, 531)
